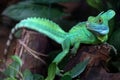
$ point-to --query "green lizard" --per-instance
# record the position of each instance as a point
(94, 30)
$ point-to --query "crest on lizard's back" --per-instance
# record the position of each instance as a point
(43, 22)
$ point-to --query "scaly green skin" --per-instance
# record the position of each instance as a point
(94, 30)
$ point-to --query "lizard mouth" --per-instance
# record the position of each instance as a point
(100, 29)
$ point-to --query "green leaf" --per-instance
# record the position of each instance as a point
(17, 59)
(98, 4)
(51, 71)
(116, 64)
(13, 69)
(27, 75)
(24, 10)
(10, 78)
(38, 77)
(115, 39)
(66, 77)
(78, 69)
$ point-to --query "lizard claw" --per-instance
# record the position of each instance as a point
(114, 49)
(73, 51)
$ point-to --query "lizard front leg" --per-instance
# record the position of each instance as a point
(75, 48)
(61, 55)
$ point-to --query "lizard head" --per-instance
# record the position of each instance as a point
(99, 24)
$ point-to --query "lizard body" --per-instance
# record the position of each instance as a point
(94, 30)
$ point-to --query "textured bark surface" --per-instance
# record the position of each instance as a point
(96, 69)
(36, 42)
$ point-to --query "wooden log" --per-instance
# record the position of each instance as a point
(31, 40)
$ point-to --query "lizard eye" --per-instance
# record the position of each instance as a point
(100, 21)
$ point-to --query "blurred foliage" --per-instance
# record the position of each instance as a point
(35, 8)
(51, 1)
(98, 4)
(115, 39)
(66, 77)
(13, 72)
(78, 69)
(14, 67)
(31, 9)
(40, 8)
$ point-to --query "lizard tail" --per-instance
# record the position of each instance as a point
(40, 25)
(9, 40)
(44, 26)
